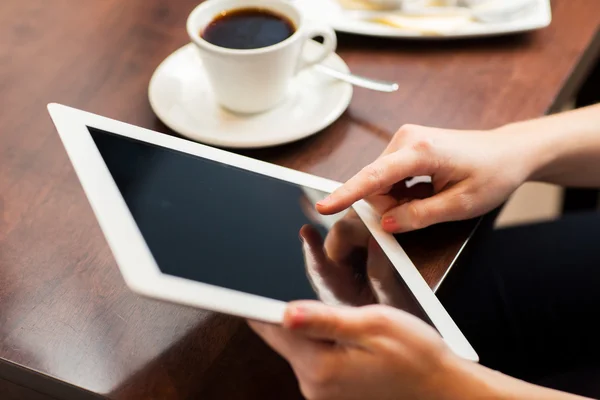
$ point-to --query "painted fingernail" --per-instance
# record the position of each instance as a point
(389, 223)
(296, 317)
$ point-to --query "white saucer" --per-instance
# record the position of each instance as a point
(181, 97)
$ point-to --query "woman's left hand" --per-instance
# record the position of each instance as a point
(370, 352)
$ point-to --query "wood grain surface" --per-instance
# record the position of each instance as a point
(65, 313)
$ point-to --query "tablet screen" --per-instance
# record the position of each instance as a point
(217, 224)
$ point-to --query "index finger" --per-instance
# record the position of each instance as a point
(383, 172)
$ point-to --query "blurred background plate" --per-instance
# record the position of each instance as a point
(441, 26)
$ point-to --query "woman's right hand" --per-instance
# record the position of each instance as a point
(472, 172)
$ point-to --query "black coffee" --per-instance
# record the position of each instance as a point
(248, 28)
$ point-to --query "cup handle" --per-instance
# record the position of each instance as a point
(329, 45)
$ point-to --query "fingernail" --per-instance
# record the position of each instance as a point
(295, 317)
(324, 202)
(389, 223)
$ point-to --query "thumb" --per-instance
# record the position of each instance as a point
(451, 205)
(320, 321)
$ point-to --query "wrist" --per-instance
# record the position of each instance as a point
(463, 379)
(535, 146)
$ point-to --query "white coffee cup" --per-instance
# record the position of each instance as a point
(255, 80)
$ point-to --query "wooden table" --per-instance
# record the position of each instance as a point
(68, 326)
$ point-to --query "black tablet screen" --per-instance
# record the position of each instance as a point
(225, 226)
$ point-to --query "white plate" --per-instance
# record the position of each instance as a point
(331, 12)
(181, 97)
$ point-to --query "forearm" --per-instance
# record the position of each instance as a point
(562, 148)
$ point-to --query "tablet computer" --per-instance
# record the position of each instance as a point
(203, 227)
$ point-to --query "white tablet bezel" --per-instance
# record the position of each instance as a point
(139, 268)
